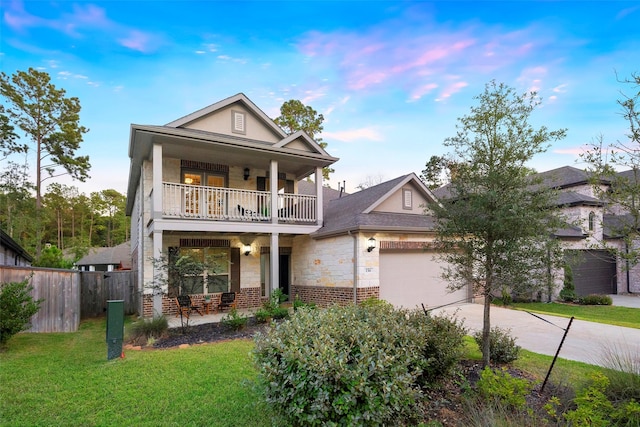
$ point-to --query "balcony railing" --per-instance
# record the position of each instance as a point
(227, 204)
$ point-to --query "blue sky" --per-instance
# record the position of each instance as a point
(390, 78)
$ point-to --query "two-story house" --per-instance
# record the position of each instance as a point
(202, 185)
(221, 182)
(593, 225)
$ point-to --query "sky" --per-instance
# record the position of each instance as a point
(390, 78)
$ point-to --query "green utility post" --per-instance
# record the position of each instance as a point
(115, 328)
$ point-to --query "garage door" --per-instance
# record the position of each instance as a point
(408, 279)
(595, 272)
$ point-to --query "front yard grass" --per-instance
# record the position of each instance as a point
(65, 379)
(611, 315)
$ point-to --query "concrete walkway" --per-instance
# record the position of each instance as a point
(196, 319)
(586, 341)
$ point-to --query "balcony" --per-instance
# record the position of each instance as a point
(227, 204)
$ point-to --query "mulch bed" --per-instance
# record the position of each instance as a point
(209, 333)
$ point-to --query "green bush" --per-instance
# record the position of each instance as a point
(298, 303)
(442, 345)
(595, 299)
(502, 346)
(234, 320)
(593, 409)
(17, 306)
(568, 292)
(141, 331)
(500, 386)
(353, 365)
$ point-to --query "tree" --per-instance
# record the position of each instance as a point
(370, 181)
(493, 231)
(50, 120)
(432, 173)
(295, 116)
(623, 196)
(16, 308)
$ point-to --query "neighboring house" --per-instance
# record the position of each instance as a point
(11, 253)
(592, 223)
(106, 259)
(202, 184)
(595, 270)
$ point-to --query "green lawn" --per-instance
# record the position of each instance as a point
(619, 316)
(65, 379)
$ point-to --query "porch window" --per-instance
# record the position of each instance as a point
(210, 281)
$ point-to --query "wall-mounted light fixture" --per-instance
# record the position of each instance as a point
(246, 249)
(371, 244)
(246, 174)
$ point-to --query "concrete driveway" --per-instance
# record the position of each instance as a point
(627, 300)
(586, 341)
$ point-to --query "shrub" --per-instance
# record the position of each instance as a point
(298, 303)
(17, 306)
(353, 365)
(592, 406)
(141, 331)
(504, 388)
(568, 292)
(234, 320)
(442, 345)
(502, 346)
(595, 299)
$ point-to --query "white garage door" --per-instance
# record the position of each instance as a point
(408, 279)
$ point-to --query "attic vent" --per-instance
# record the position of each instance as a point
(407, 199)
(238, 122)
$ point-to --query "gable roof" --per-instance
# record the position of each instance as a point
(304, 137)
(241, 98)
(116, 255)
(355, 212)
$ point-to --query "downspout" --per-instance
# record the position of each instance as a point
(355, 267)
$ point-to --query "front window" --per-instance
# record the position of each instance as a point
(210, 273)
(592, 221)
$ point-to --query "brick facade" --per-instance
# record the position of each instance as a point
(327, 296)
(247, 298)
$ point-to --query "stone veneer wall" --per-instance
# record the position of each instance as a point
(327, 296)
(247, 298)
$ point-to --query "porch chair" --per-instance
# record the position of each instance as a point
(227, 300)
(185, 306)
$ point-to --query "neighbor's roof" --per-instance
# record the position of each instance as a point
(8, 242)
(354, 212)
(116, 255)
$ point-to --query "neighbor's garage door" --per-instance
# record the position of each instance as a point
(411, 278)
(595, 272)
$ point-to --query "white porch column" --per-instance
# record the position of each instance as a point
(157, 293)
(274, 258)
(157, 182)
(319, 210)
(273, 188)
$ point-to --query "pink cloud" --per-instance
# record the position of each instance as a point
(83, 21)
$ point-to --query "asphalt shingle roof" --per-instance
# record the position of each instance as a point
(117, 255)
(348, 212)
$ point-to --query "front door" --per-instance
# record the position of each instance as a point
(284, 275)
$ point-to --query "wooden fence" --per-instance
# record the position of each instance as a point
(98, 287)
(70, 295)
